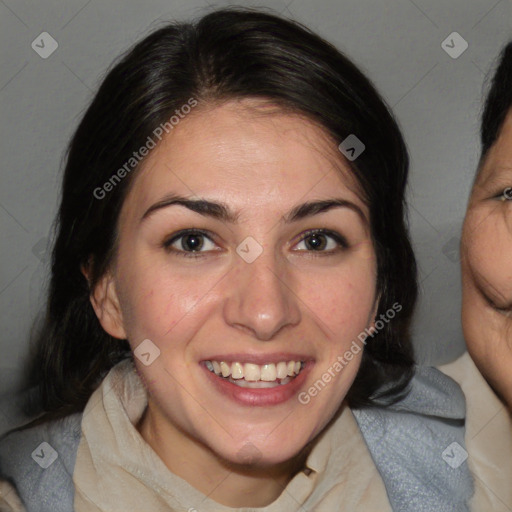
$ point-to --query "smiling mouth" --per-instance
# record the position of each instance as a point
(249, 375)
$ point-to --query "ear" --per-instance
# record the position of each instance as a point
(105, 302)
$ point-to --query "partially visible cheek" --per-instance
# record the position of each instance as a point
(343, 303)
(155, 306)
(347, 310)
(330, 387)
(488, 258)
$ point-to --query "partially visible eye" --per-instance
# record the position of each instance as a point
(505, 195)
(322, 241)
(189, 242)
(504, 309)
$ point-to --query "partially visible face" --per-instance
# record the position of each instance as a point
(211, 303)
(487, 266)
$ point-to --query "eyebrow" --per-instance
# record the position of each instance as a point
(221, 211)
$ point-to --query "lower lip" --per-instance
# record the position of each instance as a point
(260, 397)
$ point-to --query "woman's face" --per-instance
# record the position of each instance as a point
(246, 288)
(487, 266)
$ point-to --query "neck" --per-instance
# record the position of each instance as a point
(229, 484)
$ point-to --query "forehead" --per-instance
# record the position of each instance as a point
(245, 152)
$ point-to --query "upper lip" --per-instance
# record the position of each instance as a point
(259, 359)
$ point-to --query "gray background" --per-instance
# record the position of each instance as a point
(436, 98)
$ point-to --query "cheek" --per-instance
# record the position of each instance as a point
(342, 300)
(169, 306)
(487, 247)
(155, 301)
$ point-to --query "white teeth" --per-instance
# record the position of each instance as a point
(259, 384)
(282, 370)
(252, 372)
(225, 369)
(237, 371)
(269, 372)
(249, 372)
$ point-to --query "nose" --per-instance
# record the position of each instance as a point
(261, 299)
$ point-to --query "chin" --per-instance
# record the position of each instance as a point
(260, 451)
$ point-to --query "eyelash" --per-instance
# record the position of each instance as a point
(339, 239)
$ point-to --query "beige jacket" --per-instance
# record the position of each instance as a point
(9, 501)
(488, 438)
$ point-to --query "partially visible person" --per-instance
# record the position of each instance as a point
(487, 241)
(9, 500)
(486, 256)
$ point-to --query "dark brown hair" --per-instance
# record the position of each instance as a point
(227, 54)
(498, 101)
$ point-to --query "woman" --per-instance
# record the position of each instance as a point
(232, 284)
(487, 240)
(486, 300)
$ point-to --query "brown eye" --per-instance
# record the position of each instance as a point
(322, 241)
(189, 243)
